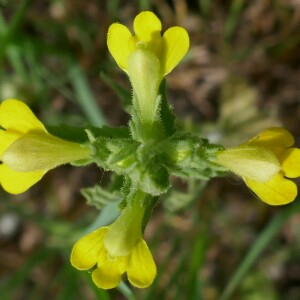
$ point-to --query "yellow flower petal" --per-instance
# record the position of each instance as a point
(277, 191)
(141, 269)
(118, 38)
(105, 257)
(86, 250)
(7, 137)
(16, 115)
(273, 137)
(109, 272)
(290, 162)
(175, 44)
(250, 162)
(147, 26)
(18, 182)
(40, 151)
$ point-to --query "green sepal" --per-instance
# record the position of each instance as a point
(130, 192)
(153, 180)
(142, 163)
(114, 154)
(149, 202)
(166, 114)
(123, 159)
(149, 172)
(142, 130)
(150, 165)
(190, 157)
(161, 127)
(127, 188)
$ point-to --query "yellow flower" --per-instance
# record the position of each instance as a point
(147, 57)
(265, 163)
(117, 249)
(27, 150)
(169, 49)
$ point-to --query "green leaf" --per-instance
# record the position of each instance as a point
(98, 197)
(84, 95)
(70, 133)
(110, 132)
(192, 157)
(80, 135)
(261, 243)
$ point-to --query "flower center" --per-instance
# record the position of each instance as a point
(141, 45)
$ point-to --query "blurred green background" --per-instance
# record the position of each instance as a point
(210, 241)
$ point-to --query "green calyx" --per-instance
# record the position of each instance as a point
(150, 165)
(145, 76)
(125, 232)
